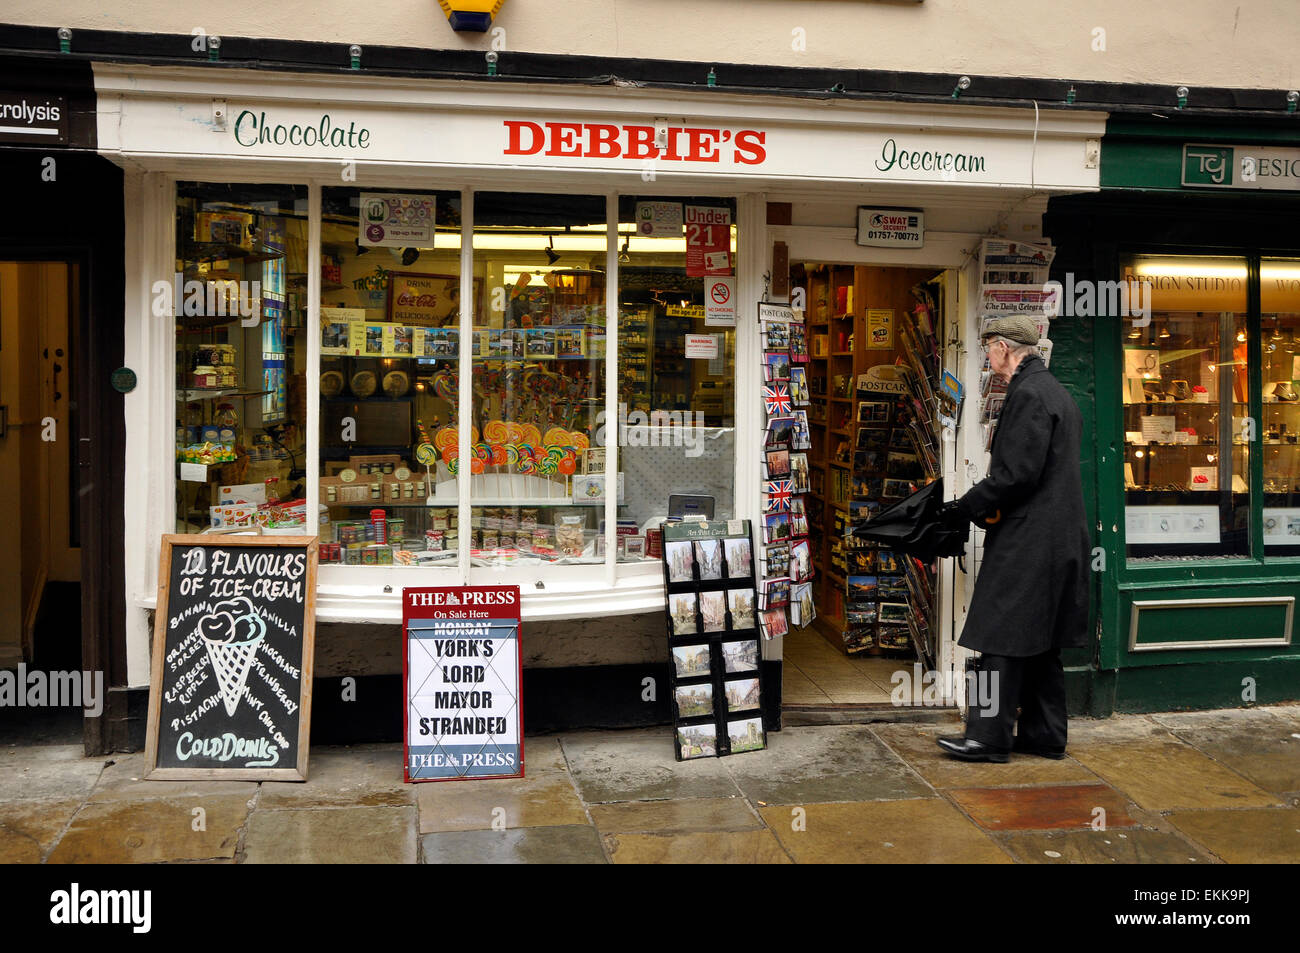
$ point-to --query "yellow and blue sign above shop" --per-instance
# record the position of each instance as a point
(471, 16)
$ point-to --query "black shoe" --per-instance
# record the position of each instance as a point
(1042, 751)
(967, 750)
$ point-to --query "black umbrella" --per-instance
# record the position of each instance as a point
(913, 526)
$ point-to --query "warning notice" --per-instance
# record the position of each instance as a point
(462, 673)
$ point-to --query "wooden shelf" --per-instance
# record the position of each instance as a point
(841, 353)
(842, 466)
(841, 433)
(843, 400)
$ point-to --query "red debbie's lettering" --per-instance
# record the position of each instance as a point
(598, 140)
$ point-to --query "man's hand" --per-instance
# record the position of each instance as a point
(952, 515)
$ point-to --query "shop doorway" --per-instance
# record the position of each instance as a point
(40, 576)
(877, 352)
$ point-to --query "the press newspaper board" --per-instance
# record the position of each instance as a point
(713, 638)
(230, 691)
(462, 670)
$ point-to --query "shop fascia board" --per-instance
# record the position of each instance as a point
(803, 143)
(177, 83)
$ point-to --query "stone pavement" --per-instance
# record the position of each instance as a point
(1185, 788)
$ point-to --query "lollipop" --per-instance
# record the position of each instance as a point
(512, 455)
(526, 464)
(426, 454)
(514, 432)
(567, 465)
(498, 455)
(476, 465)
(453, 466)
(556, 435)
(482, 452)
(445, 385)
(531, 434)
(580, 440)
(494, 431)
(446, 437)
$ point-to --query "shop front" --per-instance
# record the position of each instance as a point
(1191, 251)
(476, 335)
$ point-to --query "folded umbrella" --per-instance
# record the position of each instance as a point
(914, 526)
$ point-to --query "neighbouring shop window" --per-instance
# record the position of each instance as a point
(676, 358)
(389, 341)
(1188, 433)
(1280, 378)
(240, 356)
(537, 477)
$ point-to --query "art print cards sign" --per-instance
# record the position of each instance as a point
(230, 691)
(462, 669)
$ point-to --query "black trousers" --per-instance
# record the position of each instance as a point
(1034, 685)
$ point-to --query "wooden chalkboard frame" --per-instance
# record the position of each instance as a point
(299, 771)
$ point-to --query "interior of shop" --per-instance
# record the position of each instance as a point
(872, 378)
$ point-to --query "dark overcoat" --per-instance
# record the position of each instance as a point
(1031, 594)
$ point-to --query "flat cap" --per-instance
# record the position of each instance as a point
(1016, 328)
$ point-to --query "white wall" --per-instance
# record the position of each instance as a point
(1196, 42)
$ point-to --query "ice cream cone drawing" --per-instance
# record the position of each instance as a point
(232, 632)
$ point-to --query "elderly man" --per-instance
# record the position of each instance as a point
(1031, 594)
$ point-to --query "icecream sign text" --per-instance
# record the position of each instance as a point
(602, 140)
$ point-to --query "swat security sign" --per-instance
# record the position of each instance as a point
(891, 227)
(462, 671)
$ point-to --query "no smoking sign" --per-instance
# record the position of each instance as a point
(719, 308)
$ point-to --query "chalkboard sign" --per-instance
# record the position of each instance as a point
(230, 691)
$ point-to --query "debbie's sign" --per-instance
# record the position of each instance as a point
(230, 692)
(462, 671)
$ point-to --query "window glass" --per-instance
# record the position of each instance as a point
(389, 338)
(1279, 334)
(1186, 392)
(240, 359)
(537, 473)
(676, 426)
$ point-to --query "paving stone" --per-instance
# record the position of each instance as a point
(1120, 728)
(544, 797)
(1049, 807)
(1134, 846)
(29, 828)
(1221, 719)
(1162, 774)
(571, 844)
(47, 771)
(738, 847)
(824, 763)
(883, 832)
(917, 745)
(1266, 754)
(694, 814)
(360, 776)
(122, 779)
(1245, 837)
(153, 831)
(638, 765)
(331, 835)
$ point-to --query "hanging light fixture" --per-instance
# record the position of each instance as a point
(623, 255)
(552, 256)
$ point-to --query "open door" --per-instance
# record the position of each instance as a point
(41, 570)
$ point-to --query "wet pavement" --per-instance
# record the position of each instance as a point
(1176, 788)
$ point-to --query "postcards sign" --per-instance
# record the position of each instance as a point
(462, 670)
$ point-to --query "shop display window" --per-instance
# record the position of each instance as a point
(1186, 393)
(537, 474)
(389, 371)
(1279, 335)
(239, 304)
(390, 352)
(676, 424)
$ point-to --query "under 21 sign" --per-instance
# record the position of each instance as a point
(462, 670)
